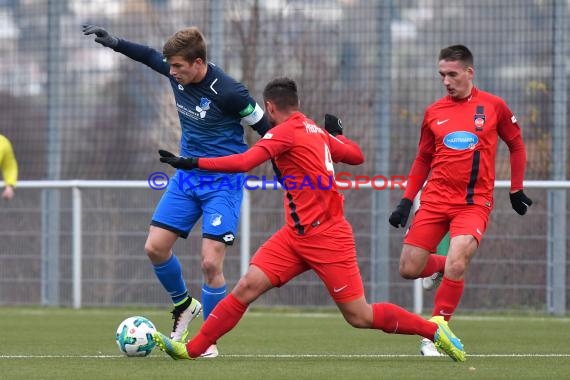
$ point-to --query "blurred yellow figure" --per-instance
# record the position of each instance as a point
(9, 167)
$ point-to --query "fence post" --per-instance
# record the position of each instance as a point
(418, 290)
(557, 202)
(245, 227)
(380, 229)
(77, 245)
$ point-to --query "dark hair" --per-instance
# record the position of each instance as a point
(457, 53)
(282, 92)
(188, 43)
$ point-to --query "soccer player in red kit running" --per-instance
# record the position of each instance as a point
(457, 146)
(316, 235)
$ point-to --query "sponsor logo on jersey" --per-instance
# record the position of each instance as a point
(203, 107)
(479, 118)
(513, 119)
(312, 128)
(460, 140)
(479, 122)
(187, 112)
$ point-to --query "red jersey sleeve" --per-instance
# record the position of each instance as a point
(274, 142)
(422, 163)
(508, 127)
(510, 132)
(235, 163)
(345, 150)
(277, 140)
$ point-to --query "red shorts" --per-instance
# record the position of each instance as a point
(330, 252)
(431, 223)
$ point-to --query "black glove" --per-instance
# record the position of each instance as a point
(103, 37)
(400, 215)
(520, 202)
(186, 163)
(333, 124)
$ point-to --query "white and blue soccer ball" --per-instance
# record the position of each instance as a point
(134, 336)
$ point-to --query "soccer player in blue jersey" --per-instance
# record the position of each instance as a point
(212, 108)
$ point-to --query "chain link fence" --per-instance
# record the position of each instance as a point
(76, 110)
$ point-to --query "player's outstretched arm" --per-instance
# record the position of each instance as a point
(137, 52)
(102, 36)
(235, 163)
(178, 162)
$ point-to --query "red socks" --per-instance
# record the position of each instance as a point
(222, 319)
(447, 297)
(393, 319)
(435, 263)
(387, 317)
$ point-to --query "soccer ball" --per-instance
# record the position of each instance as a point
(134, 336)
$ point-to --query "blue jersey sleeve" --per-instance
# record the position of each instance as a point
(144, 54)
(240, 103)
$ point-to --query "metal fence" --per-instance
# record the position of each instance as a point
(102, 260)
(76, 110)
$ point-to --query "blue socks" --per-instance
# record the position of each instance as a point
(169, 274)
(211, 297)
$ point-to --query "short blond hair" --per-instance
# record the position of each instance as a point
(188, 43)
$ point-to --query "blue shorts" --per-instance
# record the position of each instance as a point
(217, 200)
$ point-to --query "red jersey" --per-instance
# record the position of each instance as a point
(458, 145)
(304, 154)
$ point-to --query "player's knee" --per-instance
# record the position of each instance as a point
(357, 321)
(408, 270)
(358, 317)
(155, 254)
(211, 267)
(455, 268)
(246, 290)
(242, 287)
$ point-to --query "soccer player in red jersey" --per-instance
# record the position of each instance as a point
(457, 148)
(316, 235)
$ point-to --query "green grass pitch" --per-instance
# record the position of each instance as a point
(53, 343)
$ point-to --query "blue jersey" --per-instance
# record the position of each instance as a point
(212, 112)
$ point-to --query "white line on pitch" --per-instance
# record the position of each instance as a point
(289, 356)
